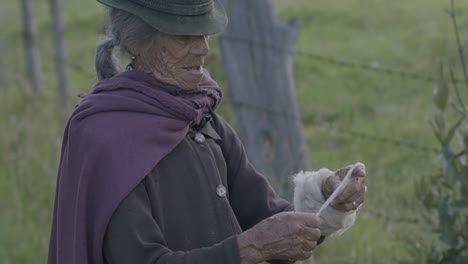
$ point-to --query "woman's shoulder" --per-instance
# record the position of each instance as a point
(95, 122)
(227, 133)
(220, 124)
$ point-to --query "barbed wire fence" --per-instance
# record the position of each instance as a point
(345, 131)
(342, 64)
(337, 63)
(367, 67)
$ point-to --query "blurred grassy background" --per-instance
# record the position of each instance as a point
(406, 35)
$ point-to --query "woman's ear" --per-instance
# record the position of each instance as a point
(133, 50)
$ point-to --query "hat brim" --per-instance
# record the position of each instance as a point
(207, 24)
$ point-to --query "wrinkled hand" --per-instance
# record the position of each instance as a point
(285, 236)
(354, 192)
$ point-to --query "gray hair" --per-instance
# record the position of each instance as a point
(122, 30)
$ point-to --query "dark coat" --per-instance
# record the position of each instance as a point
(115, 136)
(192, 205)
(187, 209)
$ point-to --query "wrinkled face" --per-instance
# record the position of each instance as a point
(176, 60)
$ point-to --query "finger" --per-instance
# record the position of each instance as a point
(330, 185)
(311, 221)
(309, 245)
(356, 196)
(311, 234)
(359, 171)
(342, 172)
(352, 188)
(294, 254)
(362, 180)
(335, 181)
(304, 254)
(351, 191)
(350, 206)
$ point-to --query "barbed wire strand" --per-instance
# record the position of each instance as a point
(333, 61)
(383, 216)
(346, 131)
(329, 60)
(324, 59)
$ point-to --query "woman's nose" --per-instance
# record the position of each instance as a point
(200, 46)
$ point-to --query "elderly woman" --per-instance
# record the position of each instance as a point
(150, 174)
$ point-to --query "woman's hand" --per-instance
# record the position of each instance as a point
(354, 193)
(285, 236)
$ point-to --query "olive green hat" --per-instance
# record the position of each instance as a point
(176, 17)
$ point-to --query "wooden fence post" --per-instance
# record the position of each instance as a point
(30, 43)
(258, 67)
(2, 58)
(60, 51)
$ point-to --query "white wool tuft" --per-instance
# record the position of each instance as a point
(308, 198)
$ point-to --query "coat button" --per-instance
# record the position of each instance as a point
(221, 190)
(199, 138)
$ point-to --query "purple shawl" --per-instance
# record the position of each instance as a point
(118, 132)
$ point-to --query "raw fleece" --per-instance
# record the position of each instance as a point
(308, 198)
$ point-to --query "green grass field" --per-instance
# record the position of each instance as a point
(400, 34)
